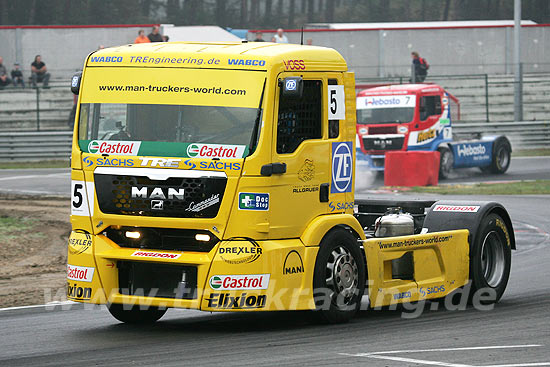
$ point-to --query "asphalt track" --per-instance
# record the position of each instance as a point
(515, 333)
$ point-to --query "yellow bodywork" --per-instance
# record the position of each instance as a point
(271, 252)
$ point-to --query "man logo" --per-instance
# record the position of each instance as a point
(293, 263)
(157, 204)
(342, 167)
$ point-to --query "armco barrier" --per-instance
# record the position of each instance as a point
(522, 134)
(35, 146)
(45, 145)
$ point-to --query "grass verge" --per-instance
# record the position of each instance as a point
(531, 152)
(37, 164)
(539, 187)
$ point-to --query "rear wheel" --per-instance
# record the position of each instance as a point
(501, 157)
(446, 161)
(134, 315)
(490, 258)
(339, 277)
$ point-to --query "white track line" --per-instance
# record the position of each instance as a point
(456, 349)
(51, 304)
(33, 176)
(382, 355)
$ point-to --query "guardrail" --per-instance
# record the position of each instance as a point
(35, 145)
(522, 134)
(47, 145)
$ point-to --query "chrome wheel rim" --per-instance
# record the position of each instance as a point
(342, 275)
(492, 259)
(502, 158)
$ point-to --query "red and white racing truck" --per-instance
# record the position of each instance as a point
(418, 117)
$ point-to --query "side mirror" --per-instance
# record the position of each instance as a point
(292, 87)
(75, 83)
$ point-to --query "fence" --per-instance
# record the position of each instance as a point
(37, 146)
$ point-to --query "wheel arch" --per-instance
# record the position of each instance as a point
(443, 220)
(319, 227)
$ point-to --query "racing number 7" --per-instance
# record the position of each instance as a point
(78, 196)
(333, 102)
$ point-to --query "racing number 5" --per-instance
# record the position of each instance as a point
(333, 109)
(78, 196)
(336, 102)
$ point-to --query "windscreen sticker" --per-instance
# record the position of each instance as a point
(197, 87)
(342, 167)
(114, 147)
(370, 102)
(159, 149)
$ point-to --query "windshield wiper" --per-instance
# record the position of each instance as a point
(256, 131)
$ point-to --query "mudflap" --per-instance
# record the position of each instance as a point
(417, 267)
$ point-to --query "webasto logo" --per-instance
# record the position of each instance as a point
(383, 101)
(469, 150)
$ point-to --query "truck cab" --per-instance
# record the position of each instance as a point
(403, 117)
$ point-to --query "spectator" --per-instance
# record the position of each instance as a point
(309, 42)
(100, 47)
(39, 72)
(259, 37)
(4, 80)
(141, 38)
(165, 38)
(420, 67)
(17, 76)
(155, 36)
(279, 37)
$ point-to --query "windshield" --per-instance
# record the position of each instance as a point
(180, 113)
(385, 115)
(181, 124)
(385, 109)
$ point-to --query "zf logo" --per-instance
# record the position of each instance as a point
(342, 167)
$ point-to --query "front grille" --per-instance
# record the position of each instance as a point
(383, 143)
(161, 239)
(375, 130)
(157, 280)
(157, 197)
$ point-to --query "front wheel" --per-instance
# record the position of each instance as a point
(339, 277)
(490, 259)
(133, 314)
(446, 161)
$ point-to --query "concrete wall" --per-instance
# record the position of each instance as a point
(63, 49)
(381, 53)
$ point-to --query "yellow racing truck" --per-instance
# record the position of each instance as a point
(220, 177)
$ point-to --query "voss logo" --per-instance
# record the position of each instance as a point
(80, 273)
(342, 167)
(215, 151)
(239, 282)
(114, 147)
(294, 64)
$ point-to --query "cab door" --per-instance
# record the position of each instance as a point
(428, 127)
(301, 148)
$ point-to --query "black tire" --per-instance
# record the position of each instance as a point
(490, 258)
(339, 277)
(446, 160)
(502, 155)
(135, 315)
